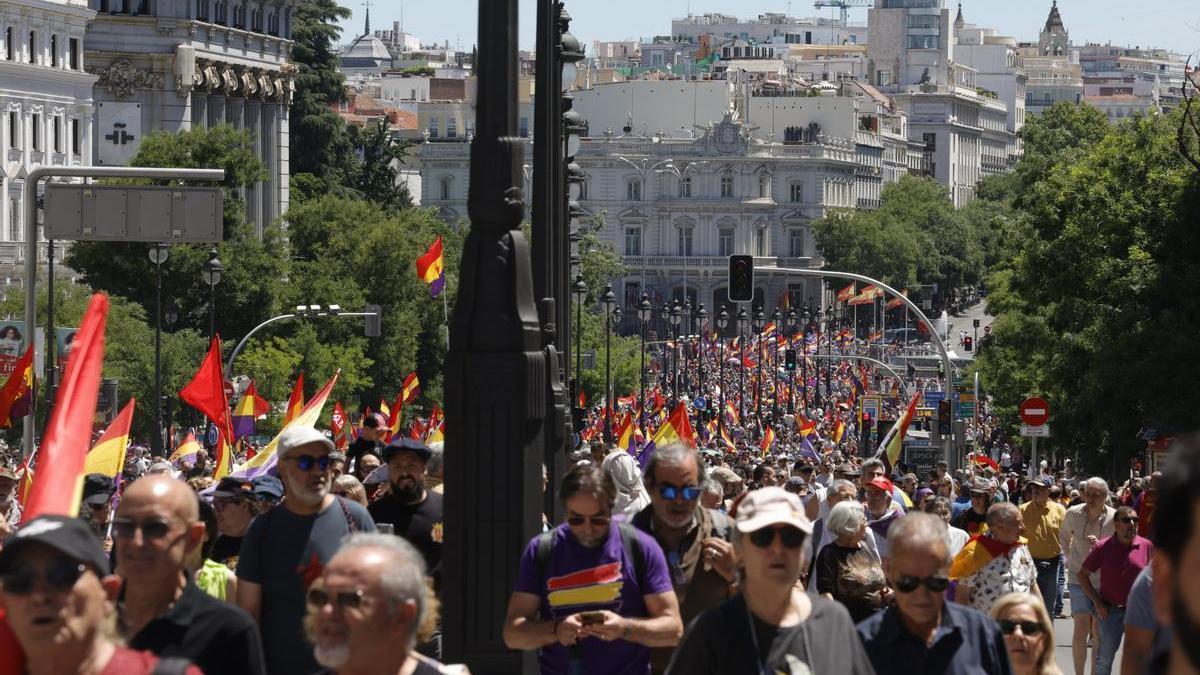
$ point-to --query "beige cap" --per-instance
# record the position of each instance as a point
(297, 435)
(771, 506)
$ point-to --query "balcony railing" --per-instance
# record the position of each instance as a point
(633, 262)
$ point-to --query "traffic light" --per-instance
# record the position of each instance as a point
(968, 343)
(944, 421)
(789, 360)
(741, 278)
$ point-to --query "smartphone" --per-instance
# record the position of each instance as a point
(590, 618)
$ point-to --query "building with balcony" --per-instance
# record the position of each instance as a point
(172, 65)
(45, 107)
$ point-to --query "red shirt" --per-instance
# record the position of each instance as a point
(1118, 565)
(127, 661)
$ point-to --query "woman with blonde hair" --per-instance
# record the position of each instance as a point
(1028, 633)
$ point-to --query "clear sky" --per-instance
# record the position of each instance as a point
(1169, 24)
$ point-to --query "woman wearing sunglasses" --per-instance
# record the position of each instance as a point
(1028, 634)
(772, 626)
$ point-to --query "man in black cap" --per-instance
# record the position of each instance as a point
(370, 437)
(414, 512)
(236, 505)
(58, 596)
(268, 490)
(95, 508)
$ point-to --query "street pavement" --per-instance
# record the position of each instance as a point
(965, 322)
(1062, 645)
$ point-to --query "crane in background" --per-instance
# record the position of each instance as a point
(844, 6)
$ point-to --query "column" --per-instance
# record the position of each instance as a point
(235, 113)
(199, 109)
(283, 158)
(270, 113)
(254, 192)
(216, 110)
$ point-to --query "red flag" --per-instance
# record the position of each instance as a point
(17, 392)
(68, 433)
(337, 424)
(295, 401)
(582, 399)
(206, 391)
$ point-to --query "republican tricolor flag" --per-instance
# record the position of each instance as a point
(430, 268)
(252, 406)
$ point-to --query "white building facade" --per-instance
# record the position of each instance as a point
(45, 105)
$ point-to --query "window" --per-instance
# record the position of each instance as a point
(53, 51)
(760, 242)
(32, 47)
(924, 21)
(764, 186)
(685, 187)
(524, 129)
(58, 134)
(796, 243)
(433, 127)
(685, 241)
(14, 220)
(73, 53)
(633, 191)
(726, 186)
(922, 42)
(796, 191)
(202, 10)
(930, 142)
(633, 241)
(725, 242)
(9, 48)
(35, 137)
(583, 190)
(14, 122)
(75, 139)
(451, 128)
(446, 188)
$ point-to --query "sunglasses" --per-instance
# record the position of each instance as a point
(1027, 627)
(317, 598)
(597, 520)
(791, 537)
(1128, 521)
(60, 576)
(978, 495)
(669, 492)
(307, 462)
(124, 528)
(935, 583)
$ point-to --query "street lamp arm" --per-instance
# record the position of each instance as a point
(242, 343)
(856, 357)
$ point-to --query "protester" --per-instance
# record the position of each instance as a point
(1146, 638)
(882, 511)
(59, 602)
(1043, 520)
(1083, 527)
(940, 507)
(236, 505)
(10, 507)
(995, 563)
(1028, 634)
(368, 462)
(592, 590)
(95, 506)
(921, 632)
(370, 440)
(286, 547)
(210, 576)
(847, 570)
(1119, 559)
(973, 520)
(771, 625)
(627, 478)
(366, 610)
(1177, 557)
(337, 463)
(414, 512)
(712, 495)
(695, 540)
(156, 527)
(349, 487)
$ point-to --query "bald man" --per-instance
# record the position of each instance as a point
(157, 525)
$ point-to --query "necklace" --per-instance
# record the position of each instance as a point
(762, 663)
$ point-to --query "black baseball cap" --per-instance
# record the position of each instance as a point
(98, 489)
(70, 536)
(231, 486)
(412, 445)
(268, 488)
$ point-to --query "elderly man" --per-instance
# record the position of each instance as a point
(414, 511)
(59, 601)
(1043, 520)
(366, 609)
(592, 591)
(156, 527)
(695, 540)
(286, 547)
(995, 563)
(882, 510)
(1084, 525)
(921, 632)
(1119, 559)
(839, 490)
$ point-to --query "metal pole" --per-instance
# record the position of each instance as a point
(855, 357)
(804, 369)
(576, 381)
(642, 397)
(721, 382)
(607, 375)
(30, 208)
(51, 372)
(212, 311)
(157, 450)
(741, 374)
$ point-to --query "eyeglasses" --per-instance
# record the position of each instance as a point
(597, 520)
(1027, 627)
(1128, 521)
(669, 492)
(59, 575)
(791, 537)
(307, 462)
(125, 528)
(935, 582)
(318, 597)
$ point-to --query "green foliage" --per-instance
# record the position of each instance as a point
(375, 176)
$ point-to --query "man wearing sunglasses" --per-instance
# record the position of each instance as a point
(286, 547)
(156, 528)
(58, 600)
(694, 539)
(414, 512)
(592, 595)
(921, 632)
(1119, 559)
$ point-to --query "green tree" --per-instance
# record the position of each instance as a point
(322, 154)
(375, 178)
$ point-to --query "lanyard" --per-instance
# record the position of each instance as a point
(762, 664)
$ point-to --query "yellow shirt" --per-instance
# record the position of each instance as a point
(1041, 528)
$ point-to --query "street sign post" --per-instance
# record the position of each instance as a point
(1035, 432)
(1035, 412)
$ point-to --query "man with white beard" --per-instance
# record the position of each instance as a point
(287, 547)
(366, 609)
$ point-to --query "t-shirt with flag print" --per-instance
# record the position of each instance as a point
(580, 579)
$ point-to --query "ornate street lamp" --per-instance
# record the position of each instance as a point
(676, 315)
(743, 323)
(777, 318)
(807, 316)
(820, 316)
(645, 314)
(608, 300)
(211, 273)
(791, 331)
(158, 256)
(760, 320)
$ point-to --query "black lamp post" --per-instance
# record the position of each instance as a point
(607, 299)
(829, 345)
(158, 256)
(676, 315)
(579, 289)
(701, 317)
(211, 272)
(777, 318)
(760, 319)
(791, 331)
(645, 314)
(722, 324)
(806, 316)
(688, 320)
(743, 322)
(170, 314)
(820, 325)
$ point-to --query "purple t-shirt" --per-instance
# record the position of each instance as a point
(580, 579)
(1119, 566)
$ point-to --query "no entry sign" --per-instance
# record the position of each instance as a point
(1034, 411)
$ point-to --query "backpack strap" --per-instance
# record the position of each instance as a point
(171, 665)
(633, 544)
(545, 547)
(351, 524)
